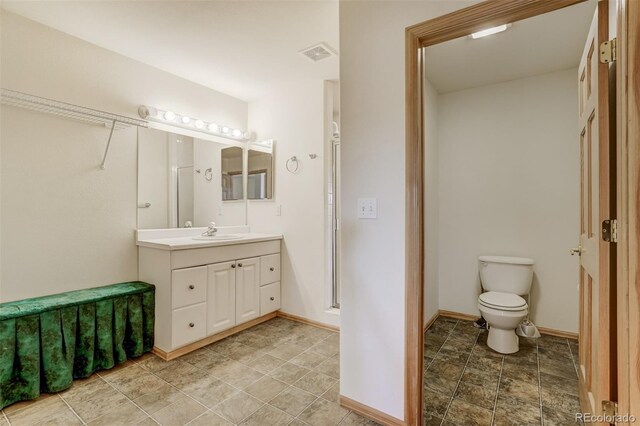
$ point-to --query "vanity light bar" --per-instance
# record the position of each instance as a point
(191, 123)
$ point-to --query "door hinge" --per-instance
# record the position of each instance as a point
(608, 51)
(610, 230)
(609, 408)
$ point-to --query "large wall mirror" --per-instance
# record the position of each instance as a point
(260, 171)
(185, 181)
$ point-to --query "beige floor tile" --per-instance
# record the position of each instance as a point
(177, 372)
(308, 359)
(15, 407)
(238, 407)
(268, 416)
(326, 348)
(158, 398)
(330, 367)
(86, 391)
(179, 413)
(323, 413)
(139, 386)
(354, 419)
(213, 393)
(125, 414)
(209, 419)
(154, 363)
(293, 400)
(333, 394)
(289, 373)
(98, 405)
(287, 351)
(105, 373)
(315, 383)
(59, 418)
(266, 363)
(266, 388)
(38, 411)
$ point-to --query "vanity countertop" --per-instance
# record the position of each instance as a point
(181, 242)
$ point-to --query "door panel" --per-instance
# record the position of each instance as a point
(247, 290)
(221, 298)
(595, 206)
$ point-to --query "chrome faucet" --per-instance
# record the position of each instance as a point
(211, 231)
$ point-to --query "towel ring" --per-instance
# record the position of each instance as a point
(293, 163)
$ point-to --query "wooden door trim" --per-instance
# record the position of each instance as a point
(446, 27)
(628, 205)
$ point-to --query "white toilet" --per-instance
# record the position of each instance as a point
(505, 280)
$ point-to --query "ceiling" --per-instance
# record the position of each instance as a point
(242, 48)
(538, 45)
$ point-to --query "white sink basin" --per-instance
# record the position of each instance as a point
(218, 237)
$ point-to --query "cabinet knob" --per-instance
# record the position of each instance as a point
(191, 287)
(272, 269)
(272, 298)
(191, 325)
(239, 265)
(233, 266)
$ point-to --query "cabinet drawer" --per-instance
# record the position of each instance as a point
(188, 325)
(269, 298)
(269, 269)
(188, 286)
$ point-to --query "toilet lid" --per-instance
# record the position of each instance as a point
(504, 301)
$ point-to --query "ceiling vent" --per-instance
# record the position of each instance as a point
(318, 52)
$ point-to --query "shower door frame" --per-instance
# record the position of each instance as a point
(462, 23)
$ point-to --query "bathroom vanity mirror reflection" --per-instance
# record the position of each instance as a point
(260, 171)
(181, 181)
(232, 176)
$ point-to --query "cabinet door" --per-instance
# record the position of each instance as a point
(247, 289)
(221, 297)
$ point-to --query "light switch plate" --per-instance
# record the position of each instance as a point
(367, 208)
(279, 210)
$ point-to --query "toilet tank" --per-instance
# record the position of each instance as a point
(506, 274)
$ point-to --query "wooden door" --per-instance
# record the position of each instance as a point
(597, 330)
(221, 297)
(247, 289)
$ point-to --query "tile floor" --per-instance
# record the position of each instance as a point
(278, 373)
(466, 383)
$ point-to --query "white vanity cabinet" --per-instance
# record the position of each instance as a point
(203, 292)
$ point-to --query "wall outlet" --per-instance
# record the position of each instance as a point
(367, 208)
(279, 210)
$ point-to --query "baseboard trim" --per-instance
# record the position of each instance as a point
(558, 333)
(168, 356)
(430, 322)
(542, 330)
(370, 413)
(458, 315)
(308, 321)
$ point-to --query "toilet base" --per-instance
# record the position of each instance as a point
(503, 341)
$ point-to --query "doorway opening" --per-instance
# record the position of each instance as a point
(332, 126)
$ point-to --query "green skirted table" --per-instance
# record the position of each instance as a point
(46, 342)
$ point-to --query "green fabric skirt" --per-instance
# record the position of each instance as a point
(46, 342)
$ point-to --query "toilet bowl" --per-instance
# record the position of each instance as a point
(505, 280)
(503, 312)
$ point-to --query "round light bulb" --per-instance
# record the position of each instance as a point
(199, 124)
(169, 115)
(213, 127)
(225, 129)
(237, 133)
(186, 120)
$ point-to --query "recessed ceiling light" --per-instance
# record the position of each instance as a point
(490, 31)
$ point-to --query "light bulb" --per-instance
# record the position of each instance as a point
(213, 127)
(237, 133)
(225, 129)
(199, 124)
(185, 119)
(169, 115)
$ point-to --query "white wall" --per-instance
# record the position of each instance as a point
(294, 117)
(373, 137)
(65, 224)
(431, 203)
(153, 179)
(509, 185)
